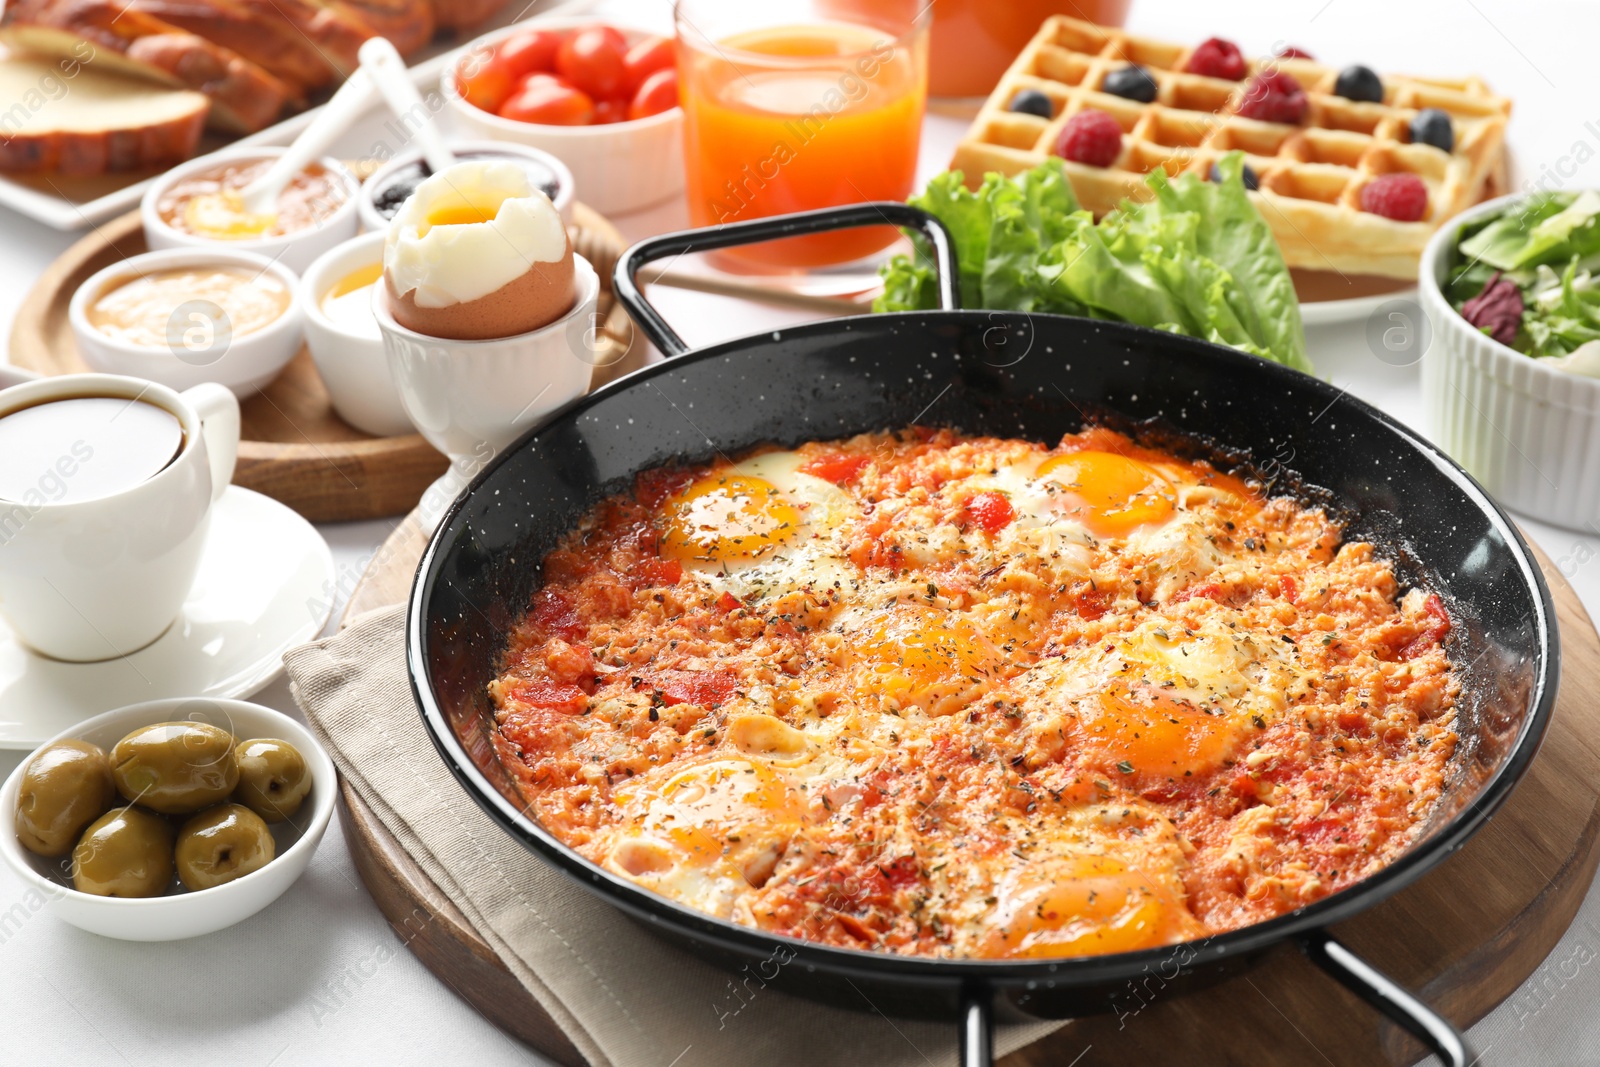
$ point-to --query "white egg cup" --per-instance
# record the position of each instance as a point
(245, 364)
(471, 399)
(178, 915)
(353, 365)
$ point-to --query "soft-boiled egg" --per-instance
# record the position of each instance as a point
(760, 528)
(478, 251)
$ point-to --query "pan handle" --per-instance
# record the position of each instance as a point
(625, 284)
(1378, 989)
(977, 1027)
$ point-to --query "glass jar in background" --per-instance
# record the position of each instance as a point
(974, 41)
(791, 105)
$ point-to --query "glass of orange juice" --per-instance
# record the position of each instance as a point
(791, 105)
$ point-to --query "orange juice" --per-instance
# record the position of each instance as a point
(790, 118)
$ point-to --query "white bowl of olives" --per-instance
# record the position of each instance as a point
(168, 819)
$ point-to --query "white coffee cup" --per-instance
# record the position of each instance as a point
(97, 579)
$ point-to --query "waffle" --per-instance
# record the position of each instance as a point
(1310, 175)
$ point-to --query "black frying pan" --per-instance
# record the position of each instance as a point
(1013, 375)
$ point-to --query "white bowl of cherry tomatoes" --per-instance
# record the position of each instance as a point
(601, 98)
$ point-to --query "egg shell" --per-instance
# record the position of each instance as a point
(538, 297)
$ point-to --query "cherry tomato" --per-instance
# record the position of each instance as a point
(486, 87)
(613, 33)
(548, 101)
(606, 111)
(592, 60)
(658, 93)
(529, 52)
(647, 57)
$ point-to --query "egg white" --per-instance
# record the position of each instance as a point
(815, 557)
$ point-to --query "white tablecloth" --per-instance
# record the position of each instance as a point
(319, 978)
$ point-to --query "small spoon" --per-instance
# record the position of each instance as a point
(253, 209)
(382, 63)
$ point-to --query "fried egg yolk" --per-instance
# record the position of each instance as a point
(1110, 494)
(707, 827)
(727, 518)
(934, 659)
(1083, 905)
(1153, 733)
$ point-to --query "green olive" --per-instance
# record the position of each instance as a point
(124, 853)
(66, 787)
(176, 767)
(221, 844)
(273, 778)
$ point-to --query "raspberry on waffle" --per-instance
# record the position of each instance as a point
(1310, 174)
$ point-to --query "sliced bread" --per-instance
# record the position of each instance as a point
(244, 97)
(66, 117)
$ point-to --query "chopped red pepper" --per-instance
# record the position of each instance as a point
(554, 614)
(1209, 590)
(657, 572)
(1093, 603)
(653, 487)
(1433, 631)
(836, 467)
(990, 510)
(1289, 588)
(567, 699)
(728, 602)
(706, 688)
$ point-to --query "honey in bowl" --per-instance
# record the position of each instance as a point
(209, 204)
(144, 309)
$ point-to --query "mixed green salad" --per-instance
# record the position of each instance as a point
(1525, 276)
(1198, 259)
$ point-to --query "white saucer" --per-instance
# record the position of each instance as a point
(263, 587)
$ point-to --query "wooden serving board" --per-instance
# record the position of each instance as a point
(293, 447)
(1465, 937)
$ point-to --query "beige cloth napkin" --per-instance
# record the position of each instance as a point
(624, 997)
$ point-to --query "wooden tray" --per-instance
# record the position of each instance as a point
(293, 447)
(1464, 937)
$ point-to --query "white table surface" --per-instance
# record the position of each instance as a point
(318, 977)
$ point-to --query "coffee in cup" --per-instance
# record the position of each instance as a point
(84, 448)
(106, 487)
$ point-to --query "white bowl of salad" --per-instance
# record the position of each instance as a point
(1511, 384)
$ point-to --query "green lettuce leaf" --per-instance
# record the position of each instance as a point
(1545, 228)
(1198, 259)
